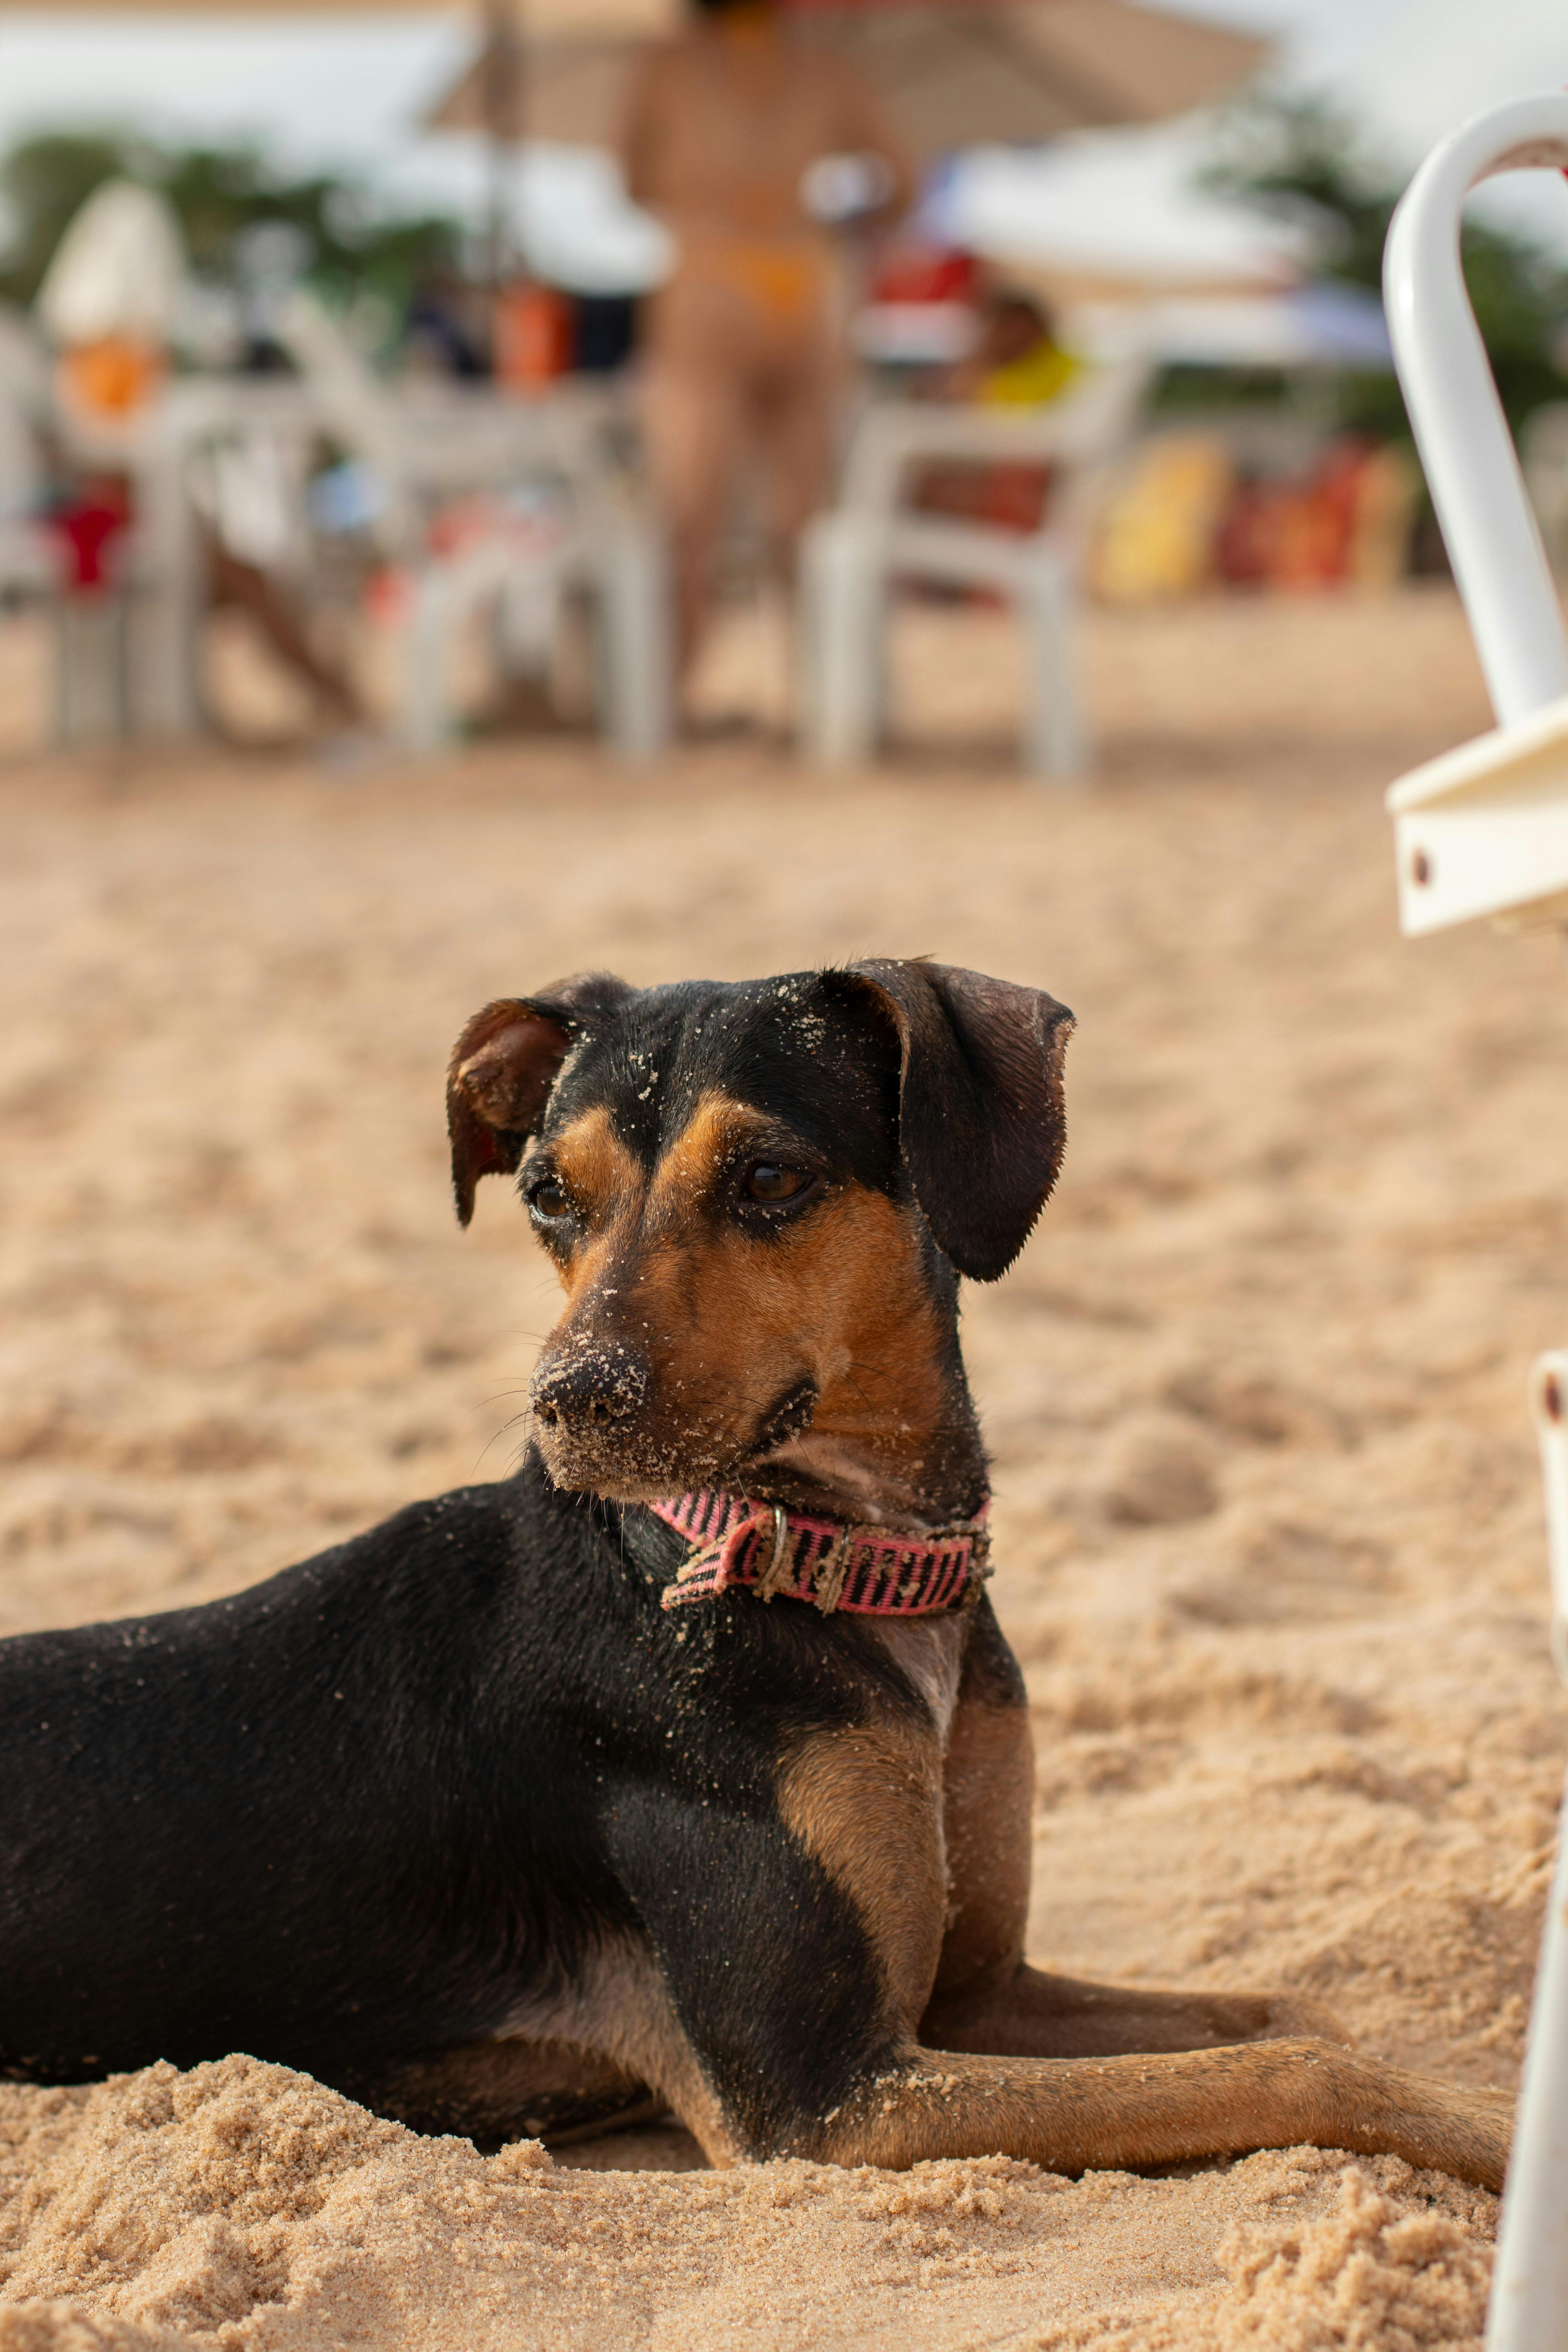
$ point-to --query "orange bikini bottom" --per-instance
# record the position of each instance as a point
(787, 283)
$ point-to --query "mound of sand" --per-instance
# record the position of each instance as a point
(1270, 1532)
(244, 2205)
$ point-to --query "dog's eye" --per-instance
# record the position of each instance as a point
(547, 1197)
(767, 1181)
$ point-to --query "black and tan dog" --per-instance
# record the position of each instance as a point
(557, 1800)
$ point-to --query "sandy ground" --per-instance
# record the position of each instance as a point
(1270, 1545)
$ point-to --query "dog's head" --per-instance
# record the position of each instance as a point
(757, 1197)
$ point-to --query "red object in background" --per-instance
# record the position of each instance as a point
(1007, 496)
(89, 526)
(1295, 534)
(532, 337)
(924, 273)
(389, 597)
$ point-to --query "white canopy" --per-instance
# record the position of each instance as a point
(119, 269)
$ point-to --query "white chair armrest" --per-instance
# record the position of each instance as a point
(1082, 428)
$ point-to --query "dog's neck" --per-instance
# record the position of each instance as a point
(886, 1446)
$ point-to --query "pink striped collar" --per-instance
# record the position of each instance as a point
(870, 1570)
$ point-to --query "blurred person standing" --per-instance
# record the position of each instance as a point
(751, 152)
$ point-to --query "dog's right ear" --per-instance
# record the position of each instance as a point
(503, 1067)
(981, 1125)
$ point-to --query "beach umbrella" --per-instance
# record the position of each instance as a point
(950, 73)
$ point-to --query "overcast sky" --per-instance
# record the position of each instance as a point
(346, 90)
(348, 87)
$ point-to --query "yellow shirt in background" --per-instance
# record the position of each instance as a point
(1040, 375)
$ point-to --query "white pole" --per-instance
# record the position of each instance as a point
(1529, 2286)
(1512, 601)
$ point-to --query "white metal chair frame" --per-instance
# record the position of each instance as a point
(432, 444)
(851, 556)
(1484, 830)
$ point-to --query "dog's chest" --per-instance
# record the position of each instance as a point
(929, 1652)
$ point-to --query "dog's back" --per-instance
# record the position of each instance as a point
(229, 1827)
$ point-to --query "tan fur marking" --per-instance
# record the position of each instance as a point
(513, 2090)
(718, 1127)
(988, 1791)
(840, 1298)
(987, 1998)
(729, 1321)
(1077, 2114)
(598, 1172)
(618, 2007)
(867, 1805)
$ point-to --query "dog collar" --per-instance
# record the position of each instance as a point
(870, 1570)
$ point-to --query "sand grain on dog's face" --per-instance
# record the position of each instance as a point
(1269, 1529)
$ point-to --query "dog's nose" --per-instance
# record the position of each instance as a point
(592, 1388)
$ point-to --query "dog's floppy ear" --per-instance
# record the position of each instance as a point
(980, 1124)
(502, 1068)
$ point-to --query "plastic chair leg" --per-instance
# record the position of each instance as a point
(92, 674)
(841, 631)
(637, 657)
(426, 722)
(1054, 743)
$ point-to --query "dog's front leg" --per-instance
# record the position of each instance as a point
(987, 1998)
(796, 1944)
(1076, 2115)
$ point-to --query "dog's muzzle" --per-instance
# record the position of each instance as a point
(592, 1391)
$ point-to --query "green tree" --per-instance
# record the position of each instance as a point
(1301, 160)
(354, 245)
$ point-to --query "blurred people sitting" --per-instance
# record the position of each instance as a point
(111, 304)
(752, 151)
(443, 331)
(1017, 362)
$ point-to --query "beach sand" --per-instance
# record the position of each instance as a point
(1269, 1535)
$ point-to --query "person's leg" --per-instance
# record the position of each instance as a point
(795, 428)
(243, 585)
(695, 419)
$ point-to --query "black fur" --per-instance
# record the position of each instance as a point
(356, 1814)
(368, 1812)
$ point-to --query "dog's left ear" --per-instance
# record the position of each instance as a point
(980, 1123)
(503, 1067)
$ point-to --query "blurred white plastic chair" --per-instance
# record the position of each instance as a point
(28, 566)
(429, 447)
(94, 656)
(232, 454)
(851, 556)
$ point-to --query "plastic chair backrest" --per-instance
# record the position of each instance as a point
(1086, 425)
(1499, 560)
(351, 402)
